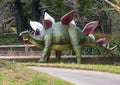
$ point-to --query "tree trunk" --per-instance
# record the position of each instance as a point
(19, 16)
(35, 15)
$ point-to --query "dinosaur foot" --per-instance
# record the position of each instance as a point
(41, 60)
(78, 61)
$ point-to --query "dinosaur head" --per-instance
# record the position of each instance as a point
(25, 34)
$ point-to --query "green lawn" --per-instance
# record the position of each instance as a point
(103, 68)
(15, 74)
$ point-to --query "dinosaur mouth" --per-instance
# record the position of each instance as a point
(23, 36)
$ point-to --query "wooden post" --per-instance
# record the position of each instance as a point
(26, 45)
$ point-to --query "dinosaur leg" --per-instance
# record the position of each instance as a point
(58, 56)
(47, 49)
(48, 56)
(74, 39)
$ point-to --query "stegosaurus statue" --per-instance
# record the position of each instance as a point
(60, 36)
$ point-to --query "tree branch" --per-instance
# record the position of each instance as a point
(116, 7)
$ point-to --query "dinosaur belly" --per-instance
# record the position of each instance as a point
(61, 47)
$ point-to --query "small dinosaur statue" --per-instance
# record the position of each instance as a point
(61, 36)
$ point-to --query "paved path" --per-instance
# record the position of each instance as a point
(82, 77)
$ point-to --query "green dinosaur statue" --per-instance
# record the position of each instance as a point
(62, 36)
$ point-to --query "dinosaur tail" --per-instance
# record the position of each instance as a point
(87, 41)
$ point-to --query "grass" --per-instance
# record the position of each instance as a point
(15, 74)
(103, 68)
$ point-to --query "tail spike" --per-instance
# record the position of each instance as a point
(114, 48)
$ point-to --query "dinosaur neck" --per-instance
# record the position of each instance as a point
(36, 40)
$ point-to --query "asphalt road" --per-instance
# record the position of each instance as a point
(82, 77)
